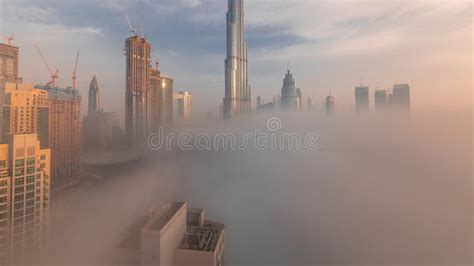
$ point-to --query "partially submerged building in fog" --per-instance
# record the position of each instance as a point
(179, 235)
(24, 199)
(362, 99)
(175, 236)
(330, 105)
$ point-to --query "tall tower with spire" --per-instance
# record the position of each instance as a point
(94, 97)
(237, 100)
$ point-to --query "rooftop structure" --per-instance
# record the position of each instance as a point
(175, 236)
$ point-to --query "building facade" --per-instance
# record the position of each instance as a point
(25, 187)
(93, 104)
(26, 111)
(165, 103)
(101, 131)
(183, 99)
(380, 100)
(289, 98)
(2, 104)
(330, 105)
(362, 99)
(9, 63)
(137, 96)
(64, 133)
(401, 98)
(237, 100)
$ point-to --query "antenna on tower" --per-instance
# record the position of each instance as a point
(132, 29)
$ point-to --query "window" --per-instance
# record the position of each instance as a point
(3, 163)
(30, 161)
(3, 208)
(20, 197)
(19, 162)
(30, 179)
(19, 171)
(18, 214)
(43, 157)
(3, 183)
(30, 195)
(30, 170)
(18, 205)
(3, 199)
(30, 187)
(30, 203)
(3, 216)
(19, 190)
(19, 181)
(3, 191)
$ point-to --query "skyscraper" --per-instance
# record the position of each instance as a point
(9, 63)
(237, 99)
(24, 199)
(183, 99)
(299, 95)
(155, 97)
(362, 99)
(289, 97)
(330, 105)
(2, 103)
(64, 133)
(166, 102)
(94, 97)
(380, 100)
(401, 97)
(26, 111)
(137, 95)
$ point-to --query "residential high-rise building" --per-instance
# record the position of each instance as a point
(94, 97)
(237, 99)
(183, 98)
(137, 96)
(330, 105)
(166, 102)
(26, 111)
(155, 96)
(9, 63)
(101, 131)
(64, 133)
(289, 97)
(2, 103)
(310, 106)
(259, 101)
(24, 199)
(362, 99)
(299, 95)
(380, 100)
(401, 97)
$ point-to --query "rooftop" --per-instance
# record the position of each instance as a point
(165, 215)
(202, 238)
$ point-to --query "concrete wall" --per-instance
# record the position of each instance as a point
(157, 246)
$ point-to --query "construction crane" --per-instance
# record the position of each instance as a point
(132, 29)
(54, 75)
(74, 76)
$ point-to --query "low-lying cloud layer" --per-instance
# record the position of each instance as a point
(380, 190)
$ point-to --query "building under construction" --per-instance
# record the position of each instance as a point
(138, 108)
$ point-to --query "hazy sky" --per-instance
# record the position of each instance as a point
(332, 45)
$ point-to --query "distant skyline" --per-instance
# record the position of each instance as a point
(331, 46)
